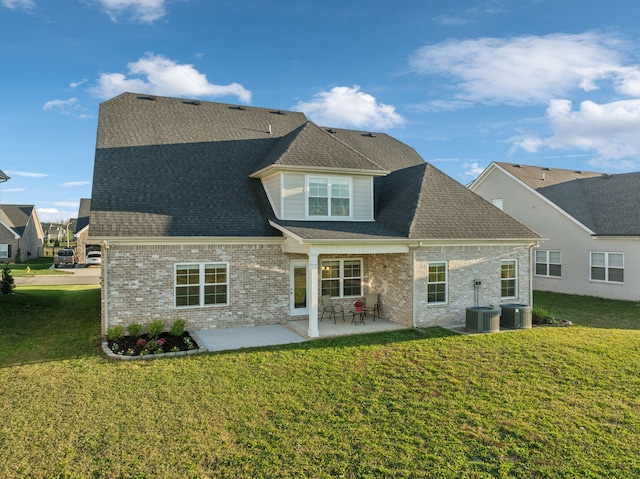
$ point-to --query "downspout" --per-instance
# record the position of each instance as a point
(105, 290)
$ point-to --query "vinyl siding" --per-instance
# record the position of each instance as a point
(271, 185)
(293, 188)
(362, 198)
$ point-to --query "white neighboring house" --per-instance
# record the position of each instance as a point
(591, 220)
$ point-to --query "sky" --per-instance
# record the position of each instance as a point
(553, 83)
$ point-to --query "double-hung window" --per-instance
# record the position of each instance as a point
(328, 197)
(437, 283)
(4, 251)
(548, 263)
(341, 277)
(607, 267)
(509, 278)
(201, 284)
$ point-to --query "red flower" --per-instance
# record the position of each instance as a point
(358, 304)
(141, 343)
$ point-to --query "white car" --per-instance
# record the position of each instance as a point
(93, 257)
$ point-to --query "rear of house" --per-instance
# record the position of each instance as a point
(227, 215)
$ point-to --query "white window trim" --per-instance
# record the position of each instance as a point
(328, 216)
(341, 275)
(4, 251)
(504, 279)
(606, 266)
(445, 282)
(547, 262)
(201, 284)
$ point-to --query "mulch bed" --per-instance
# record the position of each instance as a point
(143, 345)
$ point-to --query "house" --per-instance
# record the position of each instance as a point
(591, 220)
(226, 215)
(20, 231)
(81, 231)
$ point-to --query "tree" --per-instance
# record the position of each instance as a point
(18, 258)
(7, 284)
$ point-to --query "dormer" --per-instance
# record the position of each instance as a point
(310, 175)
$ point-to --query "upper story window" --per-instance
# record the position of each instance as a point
(607, 267)
(548, 263)
(328, 197)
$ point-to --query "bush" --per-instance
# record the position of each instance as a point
(155, 328)
(134, 329)
(18, 257)
(539, 315)
(7, 284)
(115, 332)
(177, 329)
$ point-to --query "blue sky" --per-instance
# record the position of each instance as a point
(544, 82)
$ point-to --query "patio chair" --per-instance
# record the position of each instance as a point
(332, 309)
(372, 304)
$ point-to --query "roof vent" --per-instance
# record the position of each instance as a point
(192, 102)
(149, 98)
(517, 166)
(278, 112)
(238, 107)
(546, 169)
(607, 175)
(579, 172)
(331, 130)
(370, 135)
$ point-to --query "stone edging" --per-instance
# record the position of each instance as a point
(110, 354)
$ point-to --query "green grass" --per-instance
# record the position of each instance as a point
(36, 267)
(589, 311)
(546, 402)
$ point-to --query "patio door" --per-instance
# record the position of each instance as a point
(299, 299)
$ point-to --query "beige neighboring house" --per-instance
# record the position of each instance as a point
(20, 229)
(228, 215)
(591, 220)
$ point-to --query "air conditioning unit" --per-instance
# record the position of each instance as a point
(516, 316)
(483, 319)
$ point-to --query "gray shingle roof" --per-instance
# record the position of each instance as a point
(607, 204)
(3, 176)
(84, 211)
(16, 216)
(169, 167)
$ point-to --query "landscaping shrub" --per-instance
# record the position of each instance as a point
(7, 284)
(177, 329)
(539, 315)
(115, 332)
(134, 329)
(155, 328)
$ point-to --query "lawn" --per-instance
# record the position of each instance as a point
(550, 402)
(36, 266)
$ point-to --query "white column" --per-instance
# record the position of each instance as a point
(312, 296)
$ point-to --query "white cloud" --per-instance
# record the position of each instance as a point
(13, 190)
(54, 215)
(472, 169)
(18, 4)
(76, 84)
(26, 174)
(349, 107)
(72, 184)
(70, 107)
(158, 75)
(609, 129)
(450, 20)
(528, 69)
(146, 11)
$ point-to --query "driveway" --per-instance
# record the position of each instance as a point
(77, 275)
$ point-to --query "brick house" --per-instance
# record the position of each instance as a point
(20, 229)
(226, 215)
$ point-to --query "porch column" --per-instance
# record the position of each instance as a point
(312, 297)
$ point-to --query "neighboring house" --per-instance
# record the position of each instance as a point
(52, 232)
(591, 220)
(226, 215)
(82, 231)
(20, 229)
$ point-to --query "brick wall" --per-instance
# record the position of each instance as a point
(467, 263)
(140, 285)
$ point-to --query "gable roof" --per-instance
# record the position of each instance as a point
(3, 177)
(312, 147)
(84, 210)
(16, 217)
(173, 168)
(609, 205)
